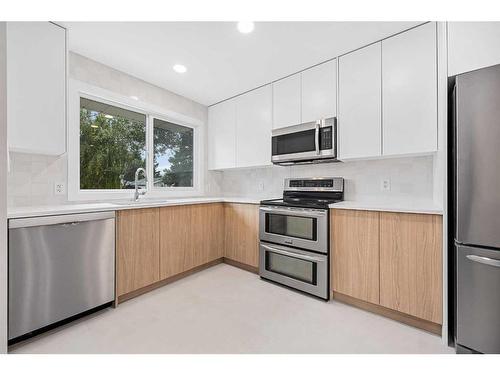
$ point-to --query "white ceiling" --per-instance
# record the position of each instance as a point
(221, 62)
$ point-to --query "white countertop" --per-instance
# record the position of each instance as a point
(417, 207)
(32, 211)
(424, 207)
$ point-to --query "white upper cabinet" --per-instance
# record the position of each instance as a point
(222, 135)
(319, 92)
(286, 102)
(239, 131)
(472, 45)
(253, 130)
(360, 103)
(387, 104)
(36, 87)
(307, 96)
(409, 92)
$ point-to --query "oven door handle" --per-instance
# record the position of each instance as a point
(294, 212)
(484, 260)
(316, 137)
(293, 254)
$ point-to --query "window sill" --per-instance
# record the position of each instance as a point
(103, 195)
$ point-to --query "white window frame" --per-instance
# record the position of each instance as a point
(78, 89)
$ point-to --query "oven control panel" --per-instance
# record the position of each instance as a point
(311, 184)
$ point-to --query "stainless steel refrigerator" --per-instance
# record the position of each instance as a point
(477, 210)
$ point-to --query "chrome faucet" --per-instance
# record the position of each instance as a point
(137, 192)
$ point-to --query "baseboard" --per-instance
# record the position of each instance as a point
(169, 280)
(243, 266)
(425, 325)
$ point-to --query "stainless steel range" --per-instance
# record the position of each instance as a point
(294, 235)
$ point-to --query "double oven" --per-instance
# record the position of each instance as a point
(294, 238)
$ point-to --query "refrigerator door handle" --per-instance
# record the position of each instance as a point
(484, 260)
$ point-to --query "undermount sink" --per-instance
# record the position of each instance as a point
(145, 202)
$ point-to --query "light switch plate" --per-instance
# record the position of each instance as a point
(59, 188)
(385, 184)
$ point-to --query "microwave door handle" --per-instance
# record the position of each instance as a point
(316, 136)
(292, 254)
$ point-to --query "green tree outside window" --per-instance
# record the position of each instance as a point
(113, 146)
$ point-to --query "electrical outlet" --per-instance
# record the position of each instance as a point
(59, 188)
(385, 184)
(261, 186)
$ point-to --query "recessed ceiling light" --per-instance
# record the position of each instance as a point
(108, 116)
(245, 27)
(179, 68)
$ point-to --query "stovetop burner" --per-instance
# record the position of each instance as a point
(310, 193)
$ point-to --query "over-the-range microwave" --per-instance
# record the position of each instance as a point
(310, 142)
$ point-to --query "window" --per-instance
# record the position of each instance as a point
(173, 154)
(112, 146)
(114, 140)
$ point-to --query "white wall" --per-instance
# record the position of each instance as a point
(3, 190)
(32, 177)
(472, 45)
(411, 179)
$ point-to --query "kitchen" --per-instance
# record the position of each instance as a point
(330, 180)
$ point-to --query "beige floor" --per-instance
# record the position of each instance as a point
(226, 310)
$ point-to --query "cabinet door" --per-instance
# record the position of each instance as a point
(190, 236)
(360, 103)
(137, 249)
(319, 92)
(411, 264)
(472, 45)
(286, 102)
(355, 254)
(253, 131)
(36, 82)
(242, 233)
(409, 91)
(222, 135)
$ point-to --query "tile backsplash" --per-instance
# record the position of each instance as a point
(32, 177)
(410, 178)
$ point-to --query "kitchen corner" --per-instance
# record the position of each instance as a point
(312, 200)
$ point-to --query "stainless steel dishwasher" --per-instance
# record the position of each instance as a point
(60, 267)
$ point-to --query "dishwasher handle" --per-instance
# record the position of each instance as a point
(64, 220)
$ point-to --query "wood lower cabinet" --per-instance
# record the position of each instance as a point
(355, 253)
(411, 264)
(158, 245)
(137, 248)
(190, 236)
(242, 233)
(389, 263)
